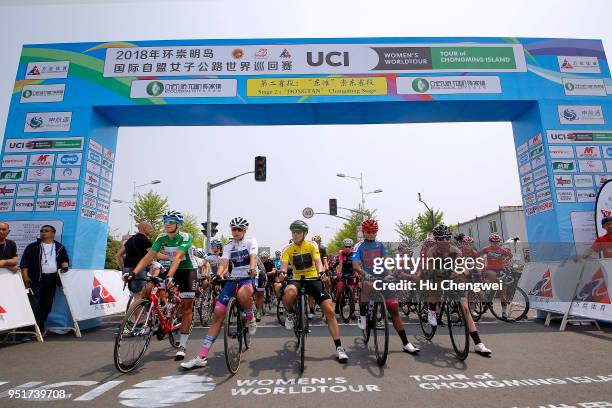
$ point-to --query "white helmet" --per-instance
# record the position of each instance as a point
(239, 222)
(347, 242)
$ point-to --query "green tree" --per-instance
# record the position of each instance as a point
(409, 232)
(191, 226)
(112, 247)
(348, 230)
(150, 208)
(423, 222)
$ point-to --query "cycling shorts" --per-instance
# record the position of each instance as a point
(186, 280)
(313, 288)
(229, 289)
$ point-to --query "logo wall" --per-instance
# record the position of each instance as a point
(99, 294)
(544, 286)
(596, 290)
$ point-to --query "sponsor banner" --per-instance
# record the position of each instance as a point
(585, 196)
(608, 165)
(591, 166)
(94, 293)
(88, 213)
(583, 230)
(186, 88)
(45, 174)
(45, 204)
(47, 189)
(603, 208)
(581, 114)
(578, 65)
(12, 175)
(583, 180)
(47, 122)
(587, 152)
(68, 189)
(530, 199)
(26, 190)
(543, 195)
(7, 190)
(584, 87)
(539, 173)
(15, 160)
(6, 205)
(15, 307)
(607, 151)
(536, 151)
(24, 204)
(528, 189)
(538, 161)
(47, 70)
(105, 184)
(545, 206)
(448, 85)
(95, 146)
(316, 86)
(523, 158)
(89, 201)
(522, 149)
(549, 285)
(108, 164)
(561, 152)
(101, 217)
(103, 206)
(593, 297)
(541, 183)
(93, 168)
(94, 157)
(559, 166)
(90, 178)
(69, 159)
(43, 159)
(565, 196)
(67, 204)
(563, 180)
(42, 93)
(600, 179)
(106, 174)
(36, 145)
(579, 136)
(536, 140)
(525, 168)
(108, 154)
(529, 211)
(240, 60)
(67, 173)
(526, 179)
(103, 195)
(91, 190)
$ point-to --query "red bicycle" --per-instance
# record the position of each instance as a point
(160, 313)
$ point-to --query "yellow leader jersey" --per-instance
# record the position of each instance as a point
(302, 258)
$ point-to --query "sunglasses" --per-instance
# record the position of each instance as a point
(237, 229)
(46, 230)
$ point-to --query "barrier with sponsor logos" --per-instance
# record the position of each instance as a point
(550, 286)
(593, 294)
(15, 309)
(93, 293)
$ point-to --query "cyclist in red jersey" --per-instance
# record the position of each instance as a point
(497, 258)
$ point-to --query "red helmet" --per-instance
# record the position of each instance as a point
(468, 239)
(429, 241)
(494, 238)
(369, 226)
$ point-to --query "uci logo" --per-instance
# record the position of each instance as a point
(333, 59)
(558, 136)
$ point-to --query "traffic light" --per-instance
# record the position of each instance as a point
(333, 206)
(260, 168)
(213, 228)
(204, 229)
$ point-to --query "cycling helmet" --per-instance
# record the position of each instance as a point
(441, 232)
(468, 239)
(199, 253)
(239, 222)
(369, 226)
(173, 216)
(216, 242)
(264, 254)
(429, 241)
(495, 238)
(347, 242)
(317, 239)
(604, 220)
(278, 253)
(460, 237)
(299, 225)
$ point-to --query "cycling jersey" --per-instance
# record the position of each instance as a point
(182, 241)
(366, 251)
(346, 264)
(277, 264)
(239, 254)
(213, 260)
(302, 258)
(496, 257)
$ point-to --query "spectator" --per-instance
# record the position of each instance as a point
(8, 249)
(602, 244)
(134, 250)
(40, 263)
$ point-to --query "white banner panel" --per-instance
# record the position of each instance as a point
(15, 309)
(550, 285)
(592, 299)
(94, 293)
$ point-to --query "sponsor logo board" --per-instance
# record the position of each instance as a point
(588, 152)
(586, 196)
(88, 213)
(90, 178)
(535, 140)
(95, 146)
(42, 93)
(12, 174)
(15, 160)
(538, 161)
(93, 167)
(541, 183)
(448, 85)
(36, 145)
(522, 148)
(68, 189)
(528, 189)
(561, 152)
(584, 87)
(579, 136)
(540, 172)
(184, 88)
(583, 180)
(69, 159)
(42, 159)
(91, 190)
(565, 196)
(591, 166)
(578, 65)
(67, 173)
(47, 69)
(47, 122)
(24, 204)
(89, 201)
(559, 166)
(530, 199)
(67, 204)
(563, 180)
(6, 205)
(525, 168)
(526, 179)
(543, 195)
(45, 204)
(580, 114)
(44, 174)
(47, 189)
(26, 190)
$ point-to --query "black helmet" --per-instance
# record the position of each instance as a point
(459, 237)
(604, 220)
(299, 225)
(441, 232)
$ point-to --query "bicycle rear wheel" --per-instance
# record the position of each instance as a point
(476, 305)
(517, 305)
(303, 329)
(345, 304)
(134, 336)
(280, 313)
(232, 340)
(380, 325)
(423, 310)
(458, 328)
(176, 319)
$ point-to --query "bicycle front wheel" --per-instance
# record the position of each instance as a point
(458, 328)
(232, 339)
(423, 313)
(345, 304)
(134, 336)
(303, 330)
(380, 325)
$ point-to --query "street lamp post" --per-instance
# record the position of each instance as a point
(134, 199)
(433, 219)
(360, 181)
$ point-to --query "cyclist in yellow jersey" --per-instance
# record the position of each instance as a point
(305, 259)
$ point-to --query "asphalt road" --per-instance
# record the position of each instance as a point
(532, 366)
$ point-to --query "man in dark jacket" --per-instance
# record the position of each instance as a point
(40, 263)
